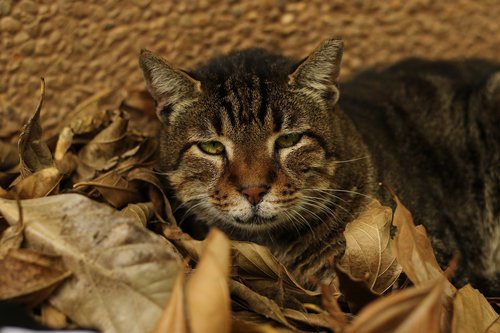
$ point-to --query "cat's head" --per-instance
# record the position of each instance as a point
(249, 140)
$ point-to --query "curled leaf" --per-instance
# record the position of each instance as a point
(34, 154)
(208, 301)
(416, 309)
(173, 318)
(414, 250)
(472, 312)
(39, 184)
(368, 254)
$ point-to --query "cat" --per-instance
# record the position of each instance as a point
(276, 151)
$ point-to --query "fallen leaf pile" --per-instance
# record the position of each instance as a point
(88, 239)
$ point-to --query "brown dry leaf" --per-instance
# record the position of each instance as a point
(103, 151)
(91, 114)
(255, 302)
(141, 108)
(12, 237)
(116, 263)
(33, 152)
(316, 320)
(412, 310)
(29, 277)
(157, 195)
(141, 212)
(261, 271)
(414, 251)
(244, 326)
(208, 301)
(173, 318)
(52, 317)
(356, 291)
(114, 188)
(337, 318)
(368, 254)
(472, 312)
(39, 184)
(9, 157)
(64, 142)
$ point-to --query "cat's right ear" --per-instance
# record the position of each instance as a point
(172, 89)
(318, 74)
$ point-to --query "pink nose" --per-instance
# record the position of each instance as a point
(254, 194)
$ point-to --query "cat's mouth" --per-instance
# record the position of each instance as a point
(256, 219)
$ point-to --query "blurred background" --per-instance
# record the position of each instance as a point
(82, 47)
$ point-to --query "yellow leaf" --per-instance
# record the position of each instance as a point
(472, 312)
(39, 184)
(208, 301)
(173, 318)
(368, 255)
(414, 250)
(413, 310)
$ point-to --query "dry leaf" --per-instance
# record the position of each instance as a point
(173, 318)
(33, 152)
(90, 115)
(260, 270)
(39, 184)
(52, 317)
(337, 318)
(412, 310)
(64, 142)
(208, 301)
(118, 266)
(414, 251)
(157, 195)
(257, 303)
(356, 291)
(29, 277)
(368, 255)
(316, 320)
(103, 151)
(114, 188)
(472, 312)
(141, 212)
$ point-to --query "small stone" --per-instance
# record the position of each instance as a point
(29, 7)
(287, 18)
(31, 66)
(28, 48)
(118, 34)
(5, 6)
(10, 24)
(141, 3)
(21, 37)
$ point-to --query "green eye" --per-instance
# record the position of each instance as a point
(288, 140)
(211, 147)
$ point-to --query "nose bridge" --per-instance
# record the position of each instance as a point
(252, 168)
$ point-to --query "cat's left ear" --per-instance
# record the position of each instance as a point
(171, 88)
(319, 72)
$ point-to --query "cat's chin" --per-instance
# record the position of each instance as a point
(256, 223)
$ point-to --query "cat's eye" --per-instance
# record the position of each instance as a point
(211, 147)
(288, 140)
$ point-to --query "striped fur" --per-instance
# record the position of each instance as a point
(309, 191)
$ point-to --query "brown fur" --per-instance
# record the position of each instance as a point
(302, 196)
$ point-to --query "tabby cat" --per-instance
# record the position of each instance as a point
(267, 149)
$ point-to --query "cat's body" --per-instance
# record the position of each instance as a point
(257, 145)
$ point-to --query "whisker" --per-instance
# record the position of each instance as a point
(352, 160)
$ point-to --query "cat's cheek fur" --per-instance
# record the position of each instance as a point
(196, 175)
